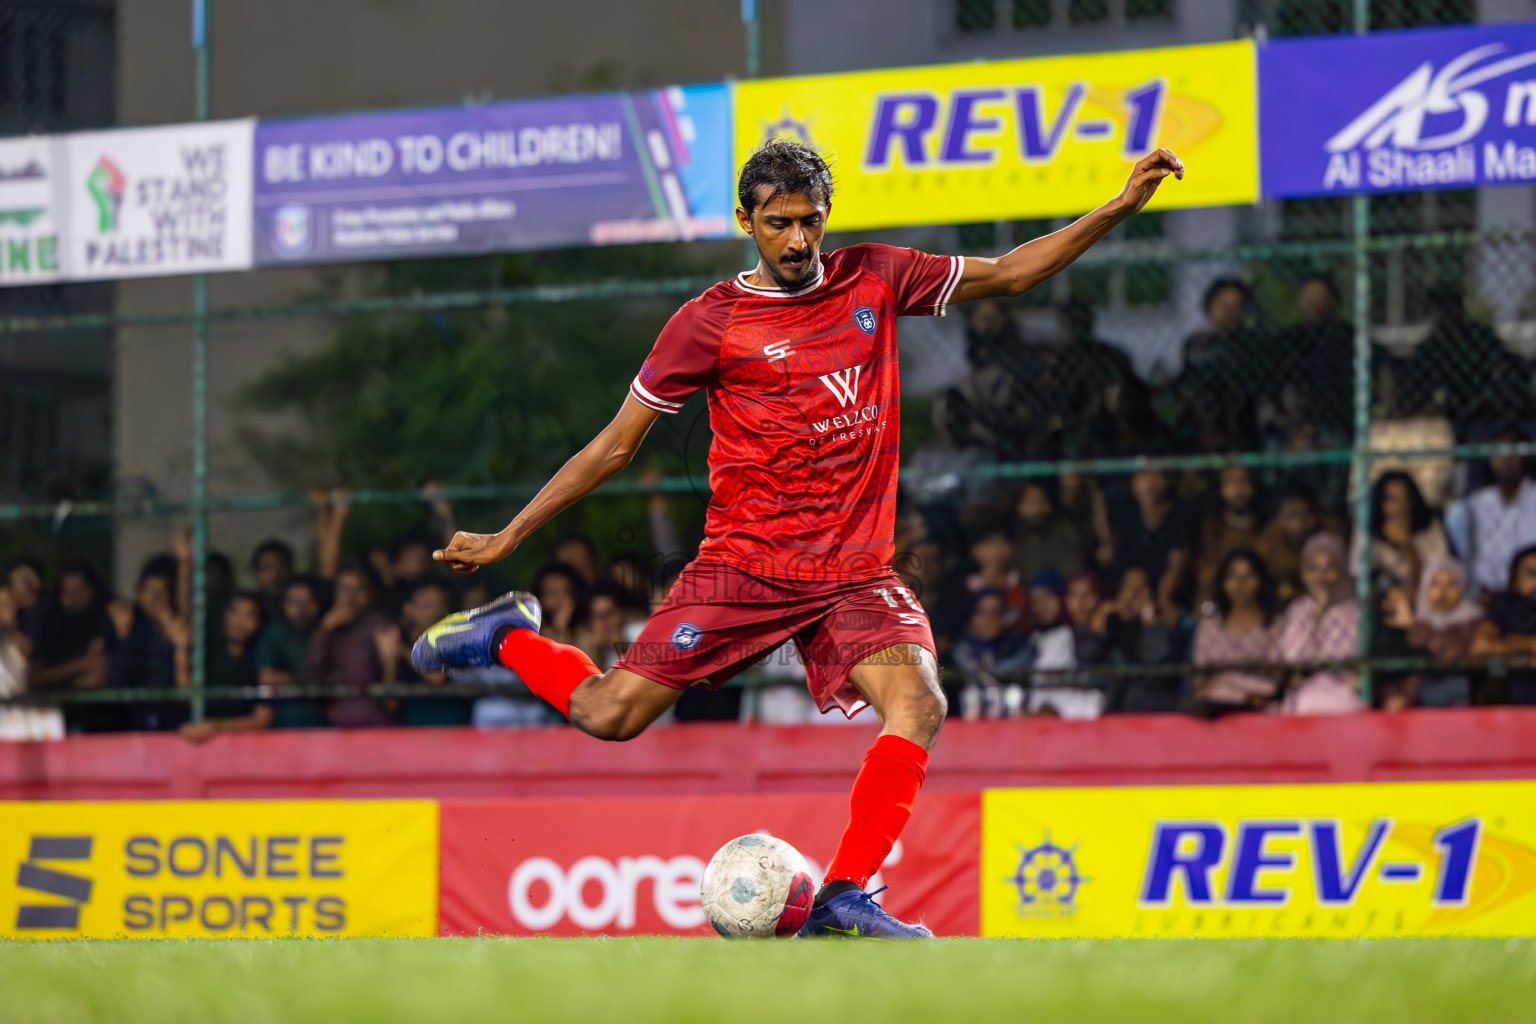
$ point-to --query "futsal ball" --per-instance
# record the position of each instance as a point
(757, 887)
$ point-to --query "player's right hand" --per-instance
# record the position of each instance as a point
(469, 551)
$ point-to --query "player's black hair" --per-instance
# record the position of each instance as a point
(787, 168)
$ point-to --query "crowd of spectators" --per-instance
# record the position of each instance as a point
(1207, 592)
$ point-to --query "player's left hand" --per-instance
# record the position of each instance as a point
(469, 551)
(1148, 173)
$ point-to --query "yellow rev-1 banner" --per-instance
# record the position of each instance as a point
(182, 869)
(1454, 858)
(1002, 140)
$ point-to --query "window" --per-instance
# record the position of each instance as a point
(976, 15)
(1087, 12)
(1028, 14)
(1148, 10)
(978, 238)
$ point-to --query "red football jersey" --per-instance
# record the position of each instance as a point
(805, 404)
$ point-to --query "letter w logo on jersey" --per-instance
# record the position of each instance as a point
(844, 385)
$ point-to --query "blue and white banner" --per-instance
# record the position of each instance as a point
(1397, 111)
(535, 174)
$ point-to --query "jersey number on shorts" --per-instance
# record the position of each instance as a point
(907, 618)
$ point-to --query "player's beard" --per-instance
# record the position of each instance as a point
(803, 274)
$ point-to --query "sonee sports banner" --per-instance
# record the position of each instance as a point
(208, 869)
(966, 143)
(1345, 861)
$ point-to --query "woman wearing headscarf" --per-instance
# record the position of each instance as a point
(1509, 630)
(1322, 624)
(1440, 625)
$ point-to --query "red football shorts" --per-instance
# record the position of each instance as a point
(718, 620)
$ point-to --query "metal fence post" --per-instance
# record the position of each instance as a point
(1362, 454)
(199, 502)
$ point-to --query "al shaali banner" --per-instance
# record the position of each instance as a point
(151, 201)
(1016, 139)
(31, 188)
(1451, 858)
(1394, 111)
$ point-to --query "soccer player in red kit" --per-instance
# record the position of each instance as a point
(798, 359)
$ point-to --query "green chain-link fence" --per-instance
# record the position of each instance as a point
(1291, 350)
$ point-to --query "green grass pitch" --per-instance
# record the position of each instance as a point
(679, 980)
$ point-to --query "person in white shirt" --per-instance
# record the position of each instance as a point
(1489, 525)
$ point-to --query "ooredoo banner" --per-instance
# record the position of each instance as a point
(994, 140)
(633, 866)
(151, 201)
(31, 201)
(1345, 861)
(585, 170)
(1392, 111)
(185, 869)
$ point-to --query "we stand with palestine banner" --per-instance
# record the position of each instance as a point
(1048, 137)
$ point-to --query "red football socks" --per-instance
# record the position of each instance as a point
(881, 803)
(551, 670)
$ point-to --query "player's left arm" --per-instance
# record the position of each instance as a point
(1033, 262)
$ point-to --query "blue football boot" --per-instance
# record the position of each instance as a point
(468, 639)
(855, 914)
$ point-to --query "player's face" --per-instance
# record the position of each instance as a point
(788, 231)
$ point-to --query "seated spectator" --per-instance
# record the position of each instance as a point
(992, 555)
(72, 638)
(1297, 517)
(578, 552)
(926, 571)
(1139, 630)
(1090, 365)
(1440, 625)
(152, 650)
(1405, 535)
(232, 663)
(1231, 527)
(992, 659)
(1489, 525)
(1509, 631)
(429, 603)
(342, 652)
(410, 563)
(1046, 538)
(282, 654)
(1237, 633)
(1224, 368)
(20, 723)
(562, 593)
(1313, 404)
(1082, 605)
(272, 568)
(218, 580)
(25, 577)
(1053, 691)
(605, 624)
(1452, 367)
(1322, 624)
(1155, 532)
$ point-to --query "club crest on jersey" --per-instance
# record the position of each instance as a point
(686, 636)
(865, 318)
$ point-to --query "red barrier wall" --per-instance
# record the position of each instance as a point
(1481, 743)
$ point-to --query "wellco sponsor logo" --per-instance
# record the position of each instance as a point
(33, 876)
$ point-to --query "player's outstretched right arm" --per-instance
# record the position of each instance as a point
(610, 451)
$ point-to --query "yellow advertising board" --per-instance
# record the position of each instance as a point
(1452, 858)
(185, 869)
(1003, 140)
